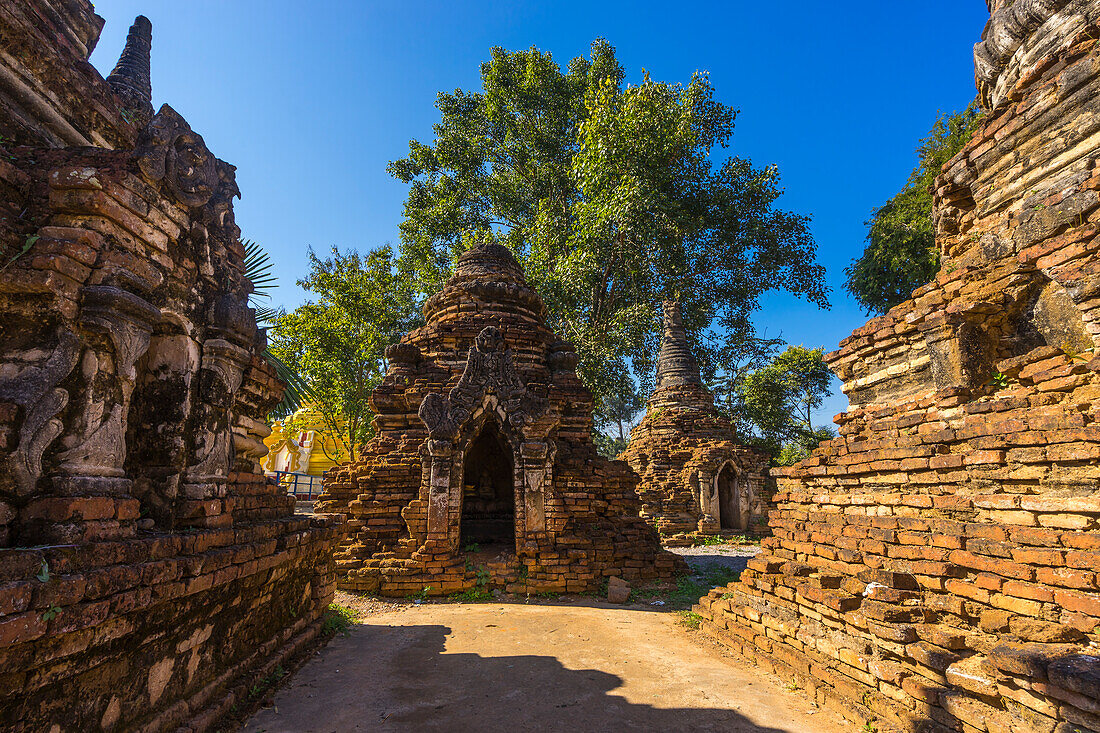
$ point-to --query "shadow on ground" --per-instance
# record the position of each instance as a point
(428, 678)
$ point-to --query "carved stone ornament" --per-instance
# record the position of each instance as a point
(489, 370)
(35, 390)
(223, 364)
(97, 447)
(169, 152)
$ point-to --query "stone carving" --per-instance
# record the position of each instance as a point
(35, 390)
(125, 321)
(170, 152)
(489, 371)
(223, 365)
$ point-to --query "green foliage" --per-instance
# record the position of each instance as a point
(611, 197)
(480, 592)
(998, 380)
(266, 683)
(689, 619)
(901, 253)
(801, 446)
(338, 341)
(778, 401)
(734, 363)
(43, 574)
(619, 406)
(27, 244)
(422, 594)
(51, 613)
(257, 270)
(298, 391)
(689, 588)
(337, 619)
(607, 446)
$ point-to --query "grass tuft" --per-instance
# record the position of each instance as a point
(689, 619)
(337, 619)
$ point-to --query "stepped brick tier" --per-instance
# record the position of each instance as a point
(482, 473)
(149, 574)
(695, 475)
(934, 568)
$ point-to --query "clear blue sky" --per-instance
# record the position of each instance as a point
(311, 100)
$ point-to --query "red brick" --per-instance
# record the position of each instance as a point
(1086, 603)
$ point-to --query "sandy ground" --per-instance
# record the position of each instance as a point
(574, 667)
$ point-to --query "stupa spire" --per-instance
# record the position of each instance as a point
(130, 78)
(676, 364)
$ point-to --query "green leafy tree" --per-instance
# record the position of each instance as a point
(338, 341)
(779, 400)
(735, 361)
(608, 446)
(610, 196)
(615, 415)
(901, 253)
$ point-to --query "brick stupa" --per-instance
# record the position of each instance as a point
(695, 475)
(933, 567)
(483, 458)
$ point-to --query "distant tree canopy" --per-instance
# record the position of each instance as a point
(337, 342)
(901, 253)
(614, 197)
(774, 404)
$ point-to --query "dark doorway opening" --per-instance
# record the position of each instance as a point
(729, 504)
(488, 497)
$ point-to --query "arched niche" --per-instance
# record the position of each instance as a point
(489, 490)
(728, 489)
(489, 390)
(156, 426)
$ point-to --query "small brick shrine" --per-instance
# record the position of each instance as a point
(483, 457)
(695, 475)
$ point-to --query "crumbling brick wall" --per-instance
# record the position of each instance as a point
(148, 570)
(485, 360)
(935, 566)
(696, 476)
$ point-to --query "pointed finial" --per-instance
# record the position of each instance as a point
(130, 78)
(676, 364)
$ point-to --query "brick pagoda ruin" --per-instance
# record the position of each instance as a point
(695, 475)
(934, 568)
(484, 443)
(149, 574)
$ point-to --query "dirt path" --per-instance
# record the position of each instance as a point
(515, 667)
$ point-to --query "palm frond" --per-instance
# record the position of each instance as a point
(257, 268)
(297, 392)
(266, 316)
